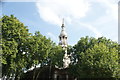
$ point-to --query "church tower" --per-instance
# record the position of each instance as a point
(63, 37)
(63, 43)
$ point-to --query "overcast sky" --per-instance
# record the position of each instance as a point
(94, 18)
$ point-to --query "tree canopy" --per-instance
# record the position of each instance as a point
(95, 58)
(21, 50)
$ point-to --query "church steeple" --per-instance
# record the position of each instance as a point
(63, 43)
(63, 36)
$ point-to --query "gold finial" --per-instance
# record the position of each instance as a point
(63, 22)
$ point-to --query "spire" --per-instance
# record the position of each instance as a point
(62, 23)
(63, 32)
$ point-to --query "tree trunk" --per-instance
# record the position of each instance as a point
(34, 73)
(38, 74)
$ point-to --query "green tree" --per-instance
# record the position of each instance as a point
(21, 50)
(14, 36)
(95, 58)
(56, 56)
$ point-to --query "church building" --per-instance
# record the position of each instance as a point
(54, 72)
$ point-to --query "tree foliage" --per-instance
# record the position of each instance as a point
(14, 35)
(95, 58)
(22, 50)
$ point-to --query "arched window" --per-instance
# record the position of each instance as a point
(66, 37)
(63, 37)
